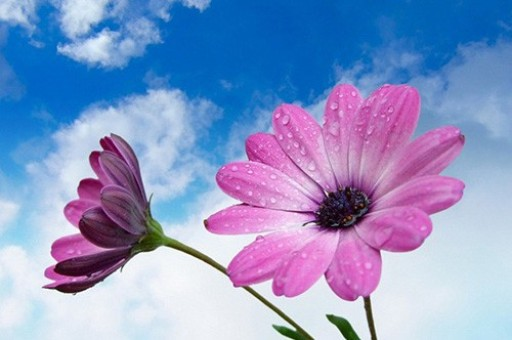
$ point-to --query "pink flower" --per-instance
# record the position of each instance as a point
(330, 198)
(112, 214)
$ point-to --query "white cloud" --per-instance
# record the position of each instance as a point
(78, 17)
(17, 278)
(162, 125)
(19, 12)
(474, 86)
(199, 4)
(393, 63)
(8, 213)
(113, 48)
(109, 33)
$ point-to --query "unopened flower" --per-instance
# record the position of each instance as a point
(113, 217)
(329, 198)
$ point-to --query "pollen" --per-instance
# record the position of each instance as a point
(342, 208)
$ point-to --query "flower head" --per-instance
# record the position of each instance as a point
(329, 198)
(113, 217)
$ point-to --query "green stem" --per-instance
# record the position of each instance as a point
(369, 317)
(171, 243)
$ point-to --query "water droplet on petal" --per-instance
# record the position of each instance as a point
(285, 120)
(334, 106)
(234, 168)
(368, 265)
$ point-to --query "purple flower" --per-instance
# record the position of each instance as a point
(112, 214)
(330, 198)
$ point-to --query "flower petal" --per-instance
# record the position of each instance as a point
(98, 228)
(429, 154)
(76, 284)
(300, 136)
(120, 174)
(306, 264)
(89, 189)
(258, 261)
(121, 207)
(260, 185)
(89, 193)
(72, 246)
(75, 209)
(356, 268)
(245, 219)
(118, 145)
(383, 125)
(94, 263)
(396, 229)
(264, 148)
(340, 109)
(428, 193)
(94, 161)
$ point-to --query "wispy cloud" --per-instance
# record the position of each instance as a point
(19, 13)
(10, 86)
(474, 86)
(108, 34)
(8, 212)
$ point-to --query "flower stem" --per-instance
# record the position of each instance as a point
(369, 317)
(172, 243)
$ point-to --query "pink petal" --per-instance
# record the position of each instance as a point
(94, 161)
(428, 193)
(75, 209)
(126, 152)
(340, 109)
(98, 228)
(260, 185)
(264, 148)
(120, 206)
(72, 246)
(429, 154)
(89, 189)
(120, 174)
(383, 125)
(92, 264)
(76, 284)
(306, 264)
(356, 268)
(258, 261)
(245, 219)
(300, 137)
(396, 229)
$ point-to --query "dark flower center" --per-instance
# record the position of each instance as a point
(342, 208)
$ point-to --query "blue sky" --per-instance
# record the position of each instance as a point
(186, 82)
